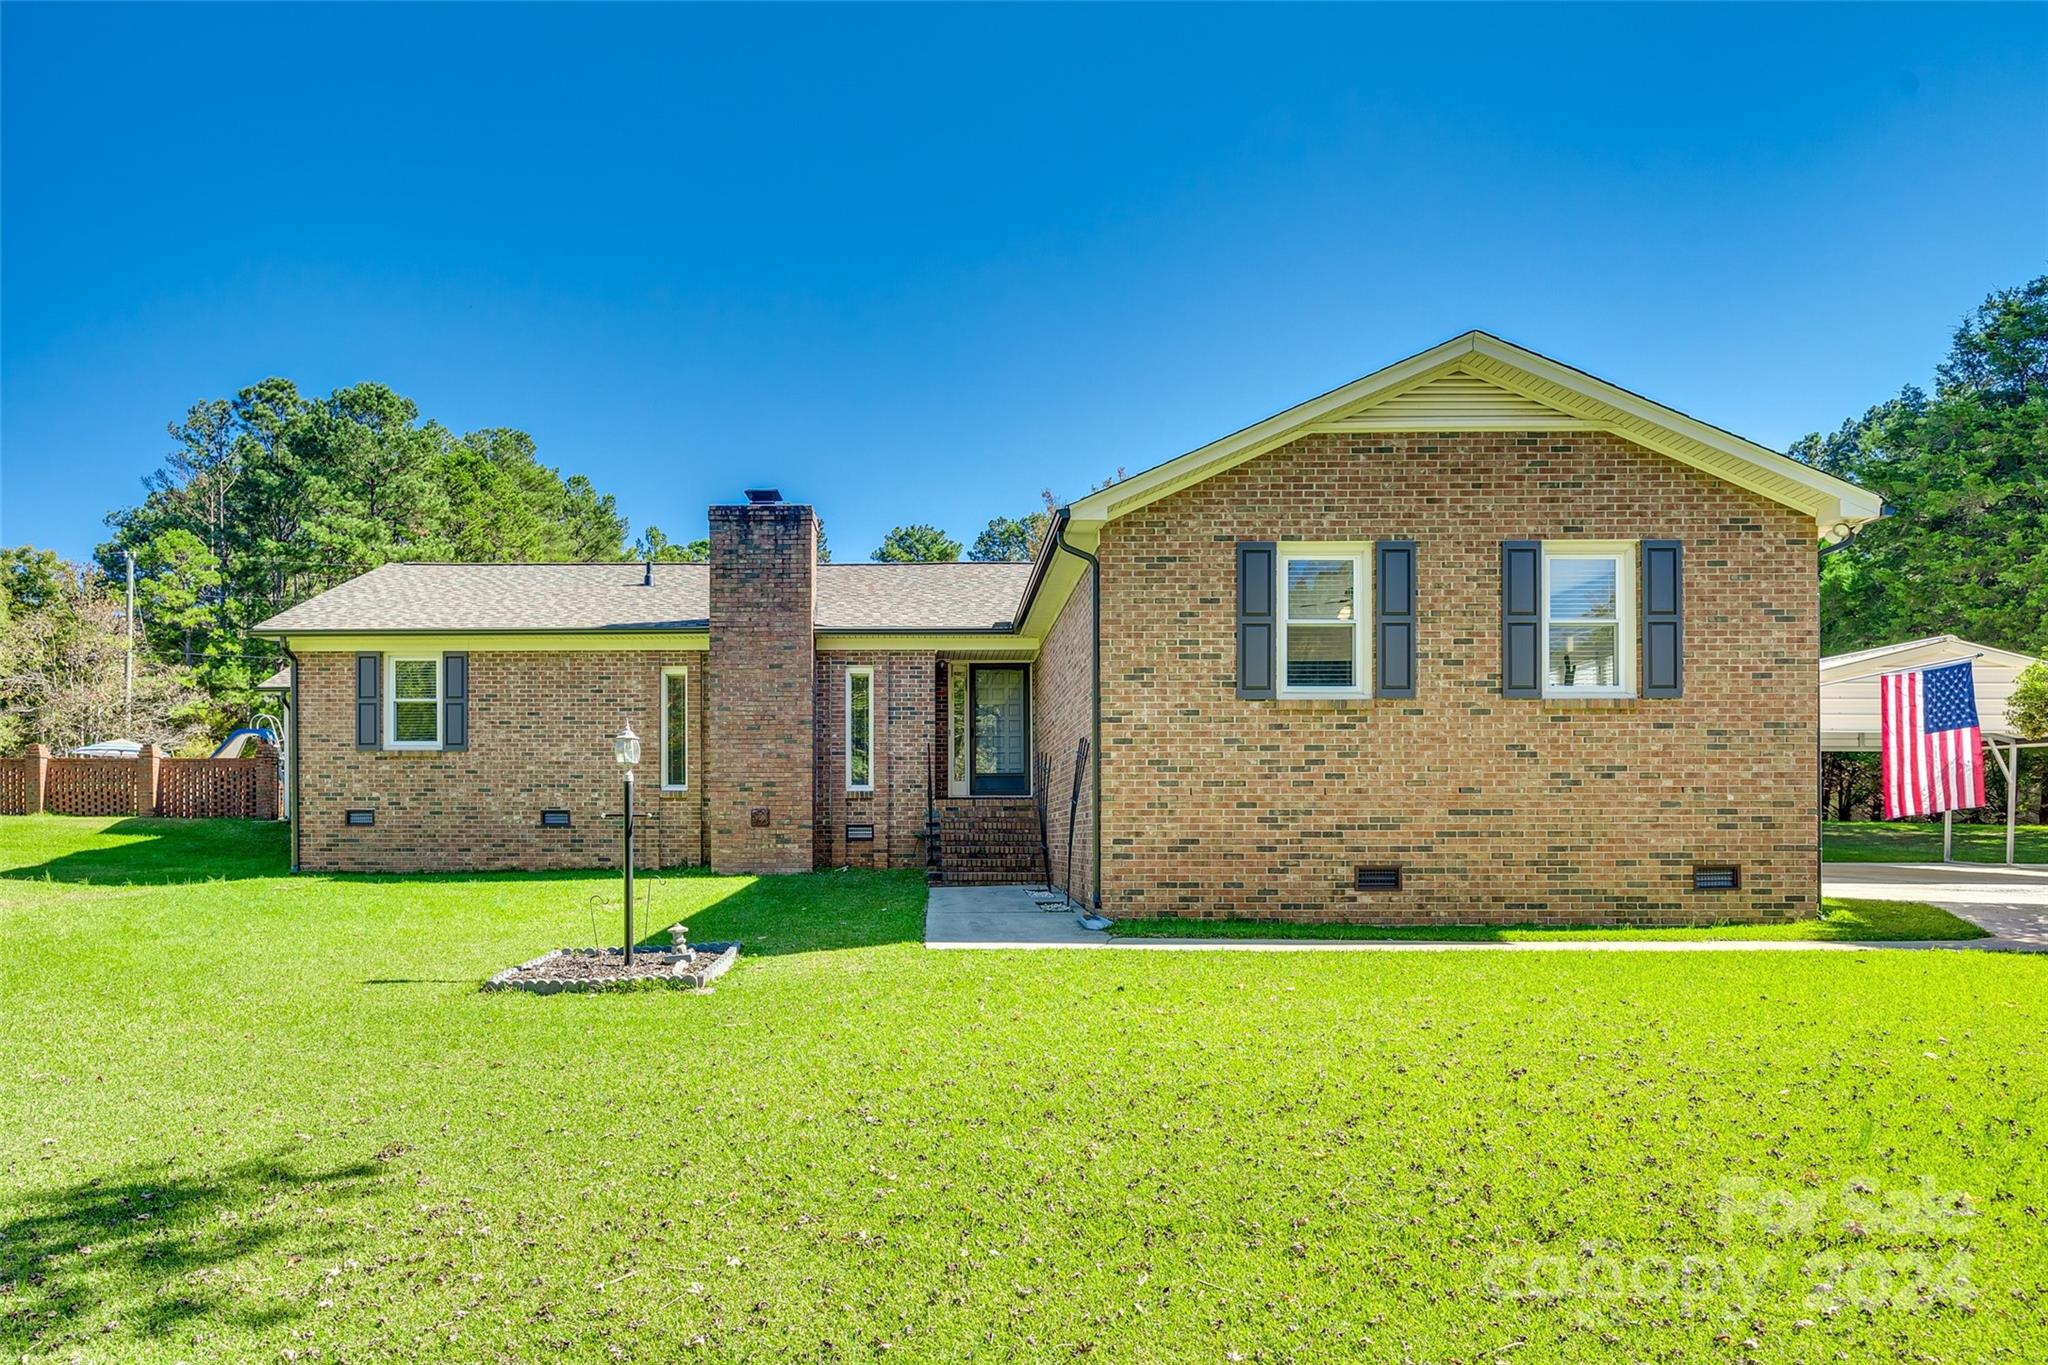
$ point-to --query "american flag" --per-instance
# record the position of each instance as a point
(1932, 755)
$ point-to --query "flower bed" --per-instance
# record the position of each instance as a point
(604, 969)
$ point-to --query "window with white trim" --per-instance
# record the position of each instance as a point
(956, 681)
(1588, 619)
(675, 729)
(412, 707)
(860, 729)
(1323, 645)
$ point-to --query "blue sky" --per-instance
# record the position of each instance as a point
(917, 264)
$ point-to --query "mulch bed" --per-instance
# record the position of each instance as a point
(604, 969)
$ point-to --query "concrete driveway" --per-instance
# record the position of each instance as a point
(2009, 902)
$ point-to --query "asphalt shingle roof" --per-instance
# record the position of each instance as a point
(550, 597)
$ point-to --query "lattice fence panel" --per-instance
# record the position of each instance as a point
(91, 786)
(13, 786)
(212, 788)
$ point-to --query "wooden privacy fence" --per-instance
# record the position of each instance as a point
(148, 784)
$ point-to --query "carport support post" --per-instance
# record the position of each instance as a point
(2012, 798)
(2009, 764)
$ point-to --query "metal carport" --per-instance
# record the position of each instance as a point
(1849, 717)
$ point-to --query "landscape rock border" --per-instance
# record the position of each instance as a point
(691, 968)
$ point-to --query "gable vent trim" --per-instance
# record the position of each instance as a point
(1460, 401)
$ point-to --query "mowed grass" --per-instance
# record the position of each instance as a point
(1905, 841)
(247, 1117)
(1840, 921)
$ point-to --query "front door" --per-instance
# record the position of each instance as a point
(998, 699)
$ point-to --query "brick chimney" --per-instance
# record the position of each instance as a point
(764, 570)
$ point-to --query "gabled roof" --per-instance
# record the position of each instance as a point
(1881, 658)
(535, 598)
(1478, 382)
(505, 597)
(927, 597)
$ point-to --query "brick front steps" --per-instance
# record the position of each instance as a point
(985, 841)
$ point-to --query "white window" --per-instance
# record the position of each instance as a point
(1588, 619)
(412, 709)
(860, 729)
(1322, 643)
(956, 676)
(675, 729)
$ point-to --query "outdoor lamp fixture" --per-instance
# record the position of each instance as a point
(626, 749)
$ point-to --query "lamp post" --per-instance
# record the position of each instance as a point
(626, 749)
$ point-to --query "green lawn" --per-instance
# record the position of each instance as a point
(1905, 841)
(247, 1117)
(1841, 921)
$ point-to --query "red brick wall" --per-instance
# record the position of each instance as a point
(759, 705)
(540, 728)
(904, 745)
(1062, 715)
(1499, 810)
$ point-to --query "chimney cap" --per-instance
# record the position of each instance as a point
(764, 495)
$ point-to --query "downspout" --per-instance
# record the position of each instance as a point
(291, 761)
(1059, 529)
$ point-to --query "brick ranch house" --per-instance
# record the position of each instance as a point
(1477, 637)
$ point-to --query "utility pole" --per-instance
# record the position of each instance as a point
(128, 680)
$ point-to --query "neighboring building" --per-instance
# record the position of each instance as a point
(1541, 645)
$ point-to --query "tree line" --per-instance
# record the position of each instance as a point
(1963, 547)
(272, 496)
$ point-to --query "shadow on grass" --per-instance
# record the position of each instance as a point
(812, 912)
(809, 912)
(802, 913)
(146, 1252)
(147, 852)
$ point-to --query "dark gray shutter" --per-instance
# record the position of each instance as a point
(1393, 618)
(1257, 563)
(1521, 618)
(369, 678)
(455, 701)
(1663, 618)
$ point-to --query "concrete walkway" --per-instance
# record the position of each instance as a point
(1002, 917)
(2010, 903)
(2015, 910)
